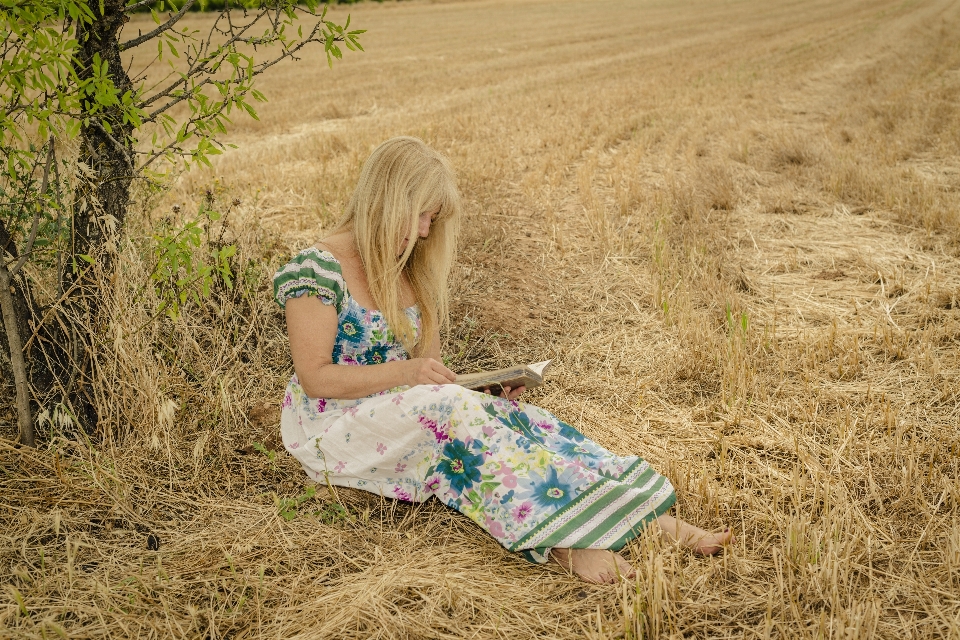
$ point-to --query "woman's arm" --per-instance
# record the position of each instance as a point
(433, 348)
(433, 351)
(312, 327)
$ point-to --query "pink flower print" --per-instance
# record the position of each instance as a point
(433, 484)
(381, 448)
(397, 399)
(488, 431)
(435, 387)
(399, 468)
(494, 527)
(351, 410)
(509, 479)
(321, 405)
(287, 400)
(546, 426)
(522, 512)
(439, 430)
(401, 494)
(341, 465)
(294, 445)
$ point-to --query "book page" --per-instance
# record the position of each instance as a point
(540, 368)
(529, 376)
(486, 378)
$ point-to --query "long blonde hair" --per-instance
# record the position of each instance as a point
(402, 179)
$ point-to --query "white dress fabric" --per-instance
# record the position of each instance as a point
(529, 479)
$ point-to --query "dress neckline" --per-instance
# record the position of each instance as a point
(346, 289)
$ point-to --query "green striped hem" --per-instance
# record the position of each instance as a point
(311, 272)
(608, 508)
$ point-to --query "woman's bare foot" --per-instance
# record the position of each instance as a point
(598, 566)
(694, 538)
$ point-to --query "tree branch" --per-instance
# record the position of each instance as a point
(174, 145)
(36, 216)
(9, 245)
(123, 150)
(135, 6)
(174, 19)
(200, 68)
(21, 382)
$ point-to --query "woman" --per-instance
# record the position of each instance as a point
(374, 294)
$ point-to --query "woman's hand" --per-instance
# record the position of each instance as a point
(507, 394)
(426, 371)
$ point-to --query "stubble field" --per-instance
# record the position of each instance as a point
(734, 225)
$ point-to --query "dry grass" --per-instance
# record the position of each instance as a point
(734, 225)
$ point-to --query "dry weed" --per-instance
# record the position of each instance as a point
(733, 225)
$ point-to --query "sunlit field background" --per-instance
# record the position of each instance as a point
(734, 225)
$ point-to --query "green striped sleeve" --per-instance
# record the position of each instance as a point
(312, 272)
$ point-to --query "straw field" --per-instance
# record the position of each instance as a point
(735, 227)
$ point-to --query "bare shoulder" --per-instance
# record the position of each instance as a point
(341, 245)
(342, 241)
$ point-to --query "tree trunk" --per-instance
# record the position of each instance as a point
(17, 364)
(106, 147)
(109, 155)
(59, 365)
(18, 321)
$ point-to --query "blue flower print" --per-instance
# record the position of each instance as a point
(516, 420)
(377, 354)
(553, 491)
(354, 327)
(349, 329)
(573, 450)
(569, 432)
(460, 467)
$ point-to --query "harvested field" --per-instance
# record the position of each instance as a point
(735, 226)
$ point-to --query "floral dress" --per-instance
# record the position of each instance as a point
(530, 480)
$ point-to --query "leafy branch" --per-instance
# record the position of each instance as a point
(213, 74)
(187, 263)
(62, 78)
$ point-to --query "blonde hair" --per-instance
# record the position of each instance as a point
(402, 179)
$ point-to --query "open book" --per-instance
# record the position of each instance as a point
(528, 376)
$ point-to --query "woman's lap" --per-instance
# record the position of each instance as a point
(529, 479)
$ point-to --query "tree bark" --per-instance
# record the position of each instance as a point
(106, 147)
(17, 308)
(17, 363)
(22, 304)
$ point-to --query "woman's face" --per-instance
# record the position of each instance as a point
(423, 227)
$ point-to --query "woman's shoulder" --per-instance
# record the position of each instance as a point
(312, 271)
(318, 254)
